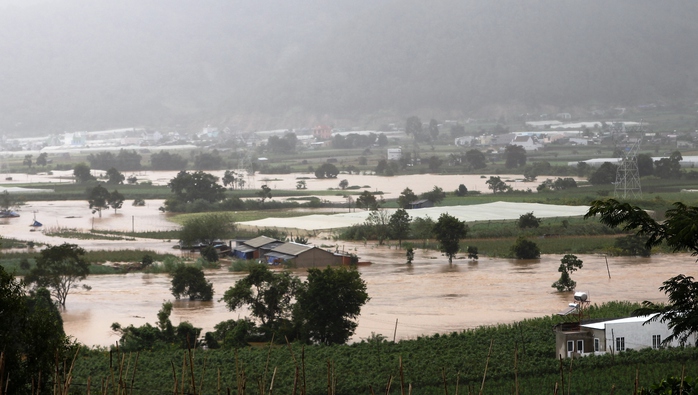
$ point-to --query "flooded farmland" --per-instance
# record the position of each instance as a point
(429, 296)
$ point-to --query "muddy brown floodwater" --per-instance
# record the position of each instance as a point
(428, 297)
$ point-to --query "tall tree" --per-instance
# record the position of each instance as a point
(406, 197)
(679, 232)
(399, 225)
(476, 159)
(433, 129)
(669, 168)
(189, 187)
(367, 200)
(326, 170)
(515, 156)
(116, 200)
(605, 174)
(264, 193)
(436, 195)
(114, 177)
(268, 295)
(82, 173)
(328, 304)
(42, 160)
(59, 268)
(190, 281)
(568, 264)
(645, 165)
(497, 185)
(98, 199)
(164, 160)
(206, 229)
(448, 231)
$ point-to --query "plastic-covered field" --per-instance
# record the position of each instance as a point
(478, 212)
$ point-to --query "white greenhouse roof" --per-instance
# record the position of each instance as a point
(479, 212)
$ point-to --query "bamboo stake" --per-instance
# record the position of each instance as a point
(184, 369)
(569, 378)
(295, 381)
(203, 372)
(266, 365)
(371, 389)
(304, 387)
(89, 381)
(174, 376)
(133, 375)
(443, 377)
(607, 269)
(484, 376)
(457, 381)
(555, 389)
(516, 370)
(395, 331)
(329, 379)
(390, 382)
(562, 376)
(613, 389)
(191, 365)
(683, 377)
(219, 382)
(271, 385)
(402, 377)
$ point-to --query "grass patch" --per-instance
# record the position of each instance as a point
(72, 233)
(155, 234)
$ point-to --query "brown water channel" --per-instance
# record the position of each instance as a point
(430, 296)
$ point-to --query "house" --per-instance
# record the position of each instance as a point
(422, 203)
(529, 143)
(394, 153)
(574, 339)
(302, 255)
(322, 132)
(464, 141)
(255, 248)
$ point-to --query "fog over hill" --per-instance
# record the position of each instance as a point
(81, 64)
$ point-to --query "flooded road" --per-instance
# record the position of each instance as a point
(425, 298)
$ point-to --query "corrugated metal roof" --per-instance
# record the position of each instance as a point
(602, 324)
(244, 248)
(259, 241)
(279, 255)
(294, 249)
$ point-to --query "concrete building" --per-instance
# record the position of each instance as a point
(575, 339)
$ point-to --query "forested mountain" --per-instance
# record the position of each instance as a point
(80, 64)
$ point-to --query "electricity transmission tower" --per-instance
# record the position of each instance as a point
(628, 176)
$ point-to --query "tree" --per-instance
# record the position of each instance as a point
(27, 160)
(476, 159)
(605, 174)
(399, 225)
(645, 165)
(681, 313)
(328, 304)
(382, 140)
(423, 227)
(301, 184)
(190, 281)
(632, 245)
(669, 168)
(59, 268)
(9, 201)
(461, 191)
(436, 195)
(413, 126)
(31, 336)
(98, 199)
(167, 161)
(528, 220)
(229, 178)
(679, 232)
(42, 160)
(82, 173)
(367, 200)
(435, 162)
(409, 254)
(116, 200)
(472, 252)
(457, 130)
(406, 197)
(264, 193)
(496, 184)
(344, 184)
(448, 231)
(568, 264)
(433, 129)
(189, 187)
(206, 229)
(114, 177)
(268, 295)
(525, 249)
(515, 156)
(378, 221)
(208, 161)
(326, 170)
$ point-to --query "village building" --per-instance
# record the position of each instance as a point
(529, 143)
(255, 248)
(322, 132)
(302, 255)
(575, 339)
